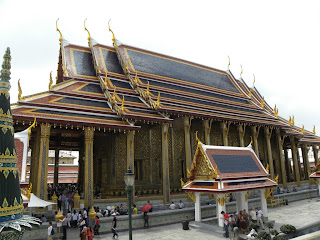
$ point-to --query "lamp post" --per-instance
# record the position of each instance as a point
(129, 180)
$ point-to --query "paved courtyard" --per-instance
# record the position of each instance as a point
(298, 213)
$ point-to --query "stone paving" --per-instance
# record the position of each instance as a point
(298, 213)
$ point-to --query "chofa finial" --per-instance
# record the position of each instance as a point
(50, 81)
(20, 91)
(113, 37)
(241, 71)
(314, 130)
(85, 28)
(60, 38)
(229, 63)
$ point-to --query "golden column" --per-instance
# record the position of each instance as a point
(242, 131)
(255, 133)
(315, 153)
(295, 159)
(268, 133)
(165, 163)
(225, 130)
(41, 190)
(88, 166)
(187, 144)
(207, 128)
(130, 158)
(280, 141)
(306, 163)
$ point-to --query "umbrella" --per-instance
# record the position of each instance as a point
(37, 202)
(146, 207)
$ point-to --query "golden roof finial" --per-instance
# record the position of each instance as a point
(302, 129)
(262, 102)
(276, 111)
(158, 100)
(148, 92)
(251, 141)
(197, 137)
(229, 63)
(20, 91)
(85, 28)
(113, 37)
(314, 130)
(267, 168)
(50, 81)
(241, 71)
(122, 104)
(114, 94)
(292, 120)
(254, 80)
(60, 38)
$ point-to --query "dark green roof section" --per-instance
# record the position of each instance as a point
(160, 66)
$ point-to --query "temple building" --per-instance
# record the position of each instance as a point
(123, 107)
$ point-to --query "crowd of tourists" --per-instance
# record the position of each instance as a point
(242, 220)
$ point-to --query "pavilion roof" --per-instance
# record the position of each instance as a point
(224, 169)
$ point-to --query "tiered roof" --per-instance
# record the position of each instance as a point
(114, 87)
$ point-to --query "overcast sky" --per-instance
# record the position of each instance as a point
(278, 41)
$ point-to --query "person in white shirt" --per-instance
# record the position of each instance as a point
(259, 217)
(69, 219)
(181, 205)
(172, 206)
(49, 231)
(253, 215)
(74, 216)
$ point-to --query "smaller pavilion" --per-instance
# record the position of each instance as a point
(223, 170)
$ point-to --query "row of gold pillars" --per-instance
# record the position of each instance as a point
(41, 186)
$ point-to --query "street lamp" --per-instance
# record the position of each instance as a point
(129, 180)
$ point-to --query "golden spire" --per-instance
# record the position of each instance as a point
(197, 137)
(114, 94)
(148, 92)
(50, 81)
(20, 91)
(60, 38)
(254, 80)
(113, 38)
(276, 111)
(302, 129)
(122, 104)
(229, 63)
(241, 71)
(262, 102)
(158, 100)
(314, 130)
(85, 28)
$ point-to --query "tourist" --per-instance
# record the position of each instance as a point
(181, 205)
(106, 213)
(134, 210)
(75, 219)
(64, 227)
(89, 233)
(69, 217)
(114, 226)
(146, 220)
(288, 191)
(83, 234)
(259, 217)
(225, 218)
(172, 206)
(43, 219)
(294, 189)
(253, 215)
(121, 210)
(232, 221)
(96, 226)
(50, 231)
(246, 217)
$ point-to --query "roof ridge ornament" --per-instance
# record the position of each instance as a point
(113, 37)
(50, 81)
(262, 103)
(241, 71)
(85, 28)
(314, 129)
(276, 111)
(302, 129)
(20, 91)
(229, 63)
(58, 30)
